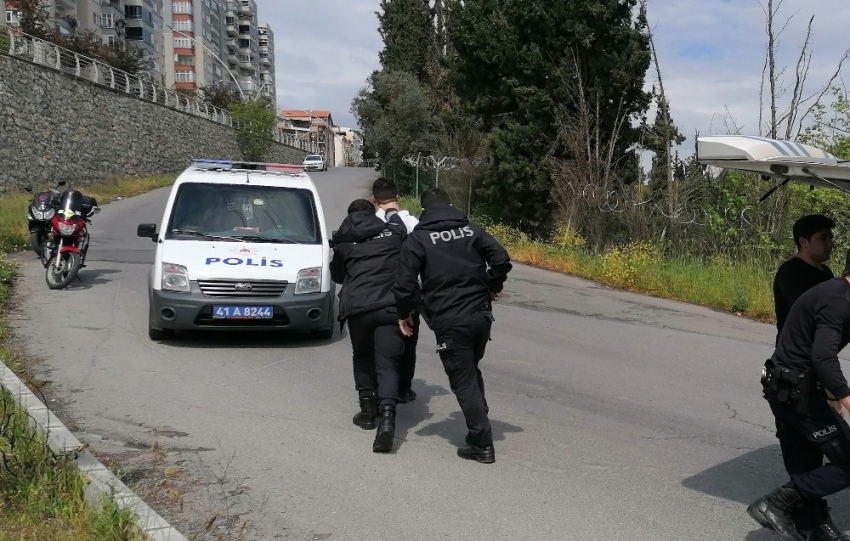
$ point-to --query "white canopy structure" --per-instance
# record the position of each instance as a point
(775, 158)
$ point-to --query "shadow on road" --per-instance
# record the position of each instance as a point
(93, 278)
(228, 339)
(413, 413)
(751, 475)
(453, 429)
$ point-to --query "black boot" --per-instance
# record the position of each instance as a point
(484, 455)
(386, 430)
(365, 419)
(774, 512)
(826, 530)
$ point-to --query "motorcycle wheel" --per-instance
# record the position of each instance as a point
(69, 266)
(35, 243)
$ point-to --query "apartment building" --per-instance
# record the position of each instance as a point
(136, 21)
(315, 128)
(195, 44)
(268, 88)
(142, 25)
(348, 147)
(219, 41)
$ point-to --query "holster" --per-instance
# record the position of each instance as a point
(788, 386)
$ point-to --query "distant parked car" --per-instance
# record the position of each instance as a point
(315, 163)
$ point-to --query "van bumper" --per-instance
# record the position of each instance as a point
(194, 310)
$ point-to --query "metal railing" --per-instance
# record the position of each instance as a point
(50, 55)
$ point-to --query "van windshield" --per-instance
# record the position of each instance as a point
(244, 213)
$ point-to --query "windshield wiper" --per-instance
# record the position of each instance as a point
(205, 235)
(257, 238)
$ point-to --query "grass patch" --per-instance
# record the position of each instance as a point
(739, 287)
(41, 495)
(13, 206)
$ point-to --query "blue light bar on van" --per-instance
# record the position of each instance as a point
(212, 164)
(228, 165)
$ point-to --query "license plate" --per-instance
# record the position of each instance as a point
(243, 312)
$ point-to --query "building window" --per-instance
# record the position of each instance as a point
(107, 20)
(185, 60)
(182, 43)
(182, 7)
(183, 24)
(12, 17)
(185, 76)
(109, 40)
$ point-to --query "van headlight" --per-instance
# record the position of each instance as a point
(175, 278)
(309, 281)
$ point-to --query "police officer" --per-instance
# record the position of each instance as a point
(366, 254)
(385, 198)
(805, 387)
(452, 255)
(813, 238)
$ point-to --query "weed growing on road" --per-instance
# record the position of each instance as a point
(13, 206)
(42, 493)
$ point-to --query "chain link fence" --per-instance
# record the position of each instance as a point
(419, 172)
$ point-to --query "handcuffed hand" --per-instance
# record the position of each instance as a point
(406, 326)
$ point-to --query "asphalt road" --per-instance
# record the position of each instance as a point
(616, 416)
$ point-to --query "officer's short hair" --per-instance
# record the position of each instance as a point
(384, 190)
(808, 225)
(435, 196)
(360, 205)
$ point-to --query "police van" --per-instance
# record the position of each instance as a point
(241, 246)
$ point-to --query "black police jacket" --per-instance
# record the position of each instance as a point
(366, 255)
(817, 328)
(452, 256)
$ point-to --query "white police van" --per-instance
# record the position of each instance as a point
(241, 246)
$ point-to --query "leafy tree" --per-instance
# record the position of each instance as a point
(510, 62)
(220, 94)
(397, 115)
(407, 28)
(35, 20)
(255, 123)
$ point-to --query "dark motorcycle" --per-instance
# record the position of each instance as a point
(41, 210)
(67, 243)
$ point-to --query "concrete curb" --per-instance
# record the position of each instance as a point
(101, 481)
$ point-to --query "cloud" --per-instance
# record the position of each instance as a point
(711, 54)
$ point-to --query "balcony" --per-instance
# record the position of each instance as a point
(247, 86)
(244, 61)
(246, 8)
(232, 44)
(66, 7)
(265, 60)
(232, 31)
(232, 58)
(230, 10)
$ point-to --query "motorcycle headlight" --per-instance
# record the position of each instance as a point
(48, 214)
(309, 281)
(37, 214)
(175, 278)
(67, 229)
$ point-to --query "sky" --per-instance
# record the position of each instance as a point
(711, 54)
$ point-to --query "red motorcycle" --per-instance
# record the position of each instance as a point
(64, 252)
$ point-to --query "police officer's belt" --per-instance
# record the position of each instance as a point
(789, 386)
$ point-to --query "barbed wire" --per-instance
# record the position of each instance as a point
(432, 162)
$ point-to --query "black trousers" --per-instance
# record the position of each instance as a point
(407, 368)
(461, 348)
(805, 439)
(378, 349)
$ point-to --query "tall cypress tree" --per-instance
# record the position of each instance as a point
(510, 59)
(410, 40)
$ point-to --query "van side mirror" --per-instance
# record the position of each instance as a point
(147, 231)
